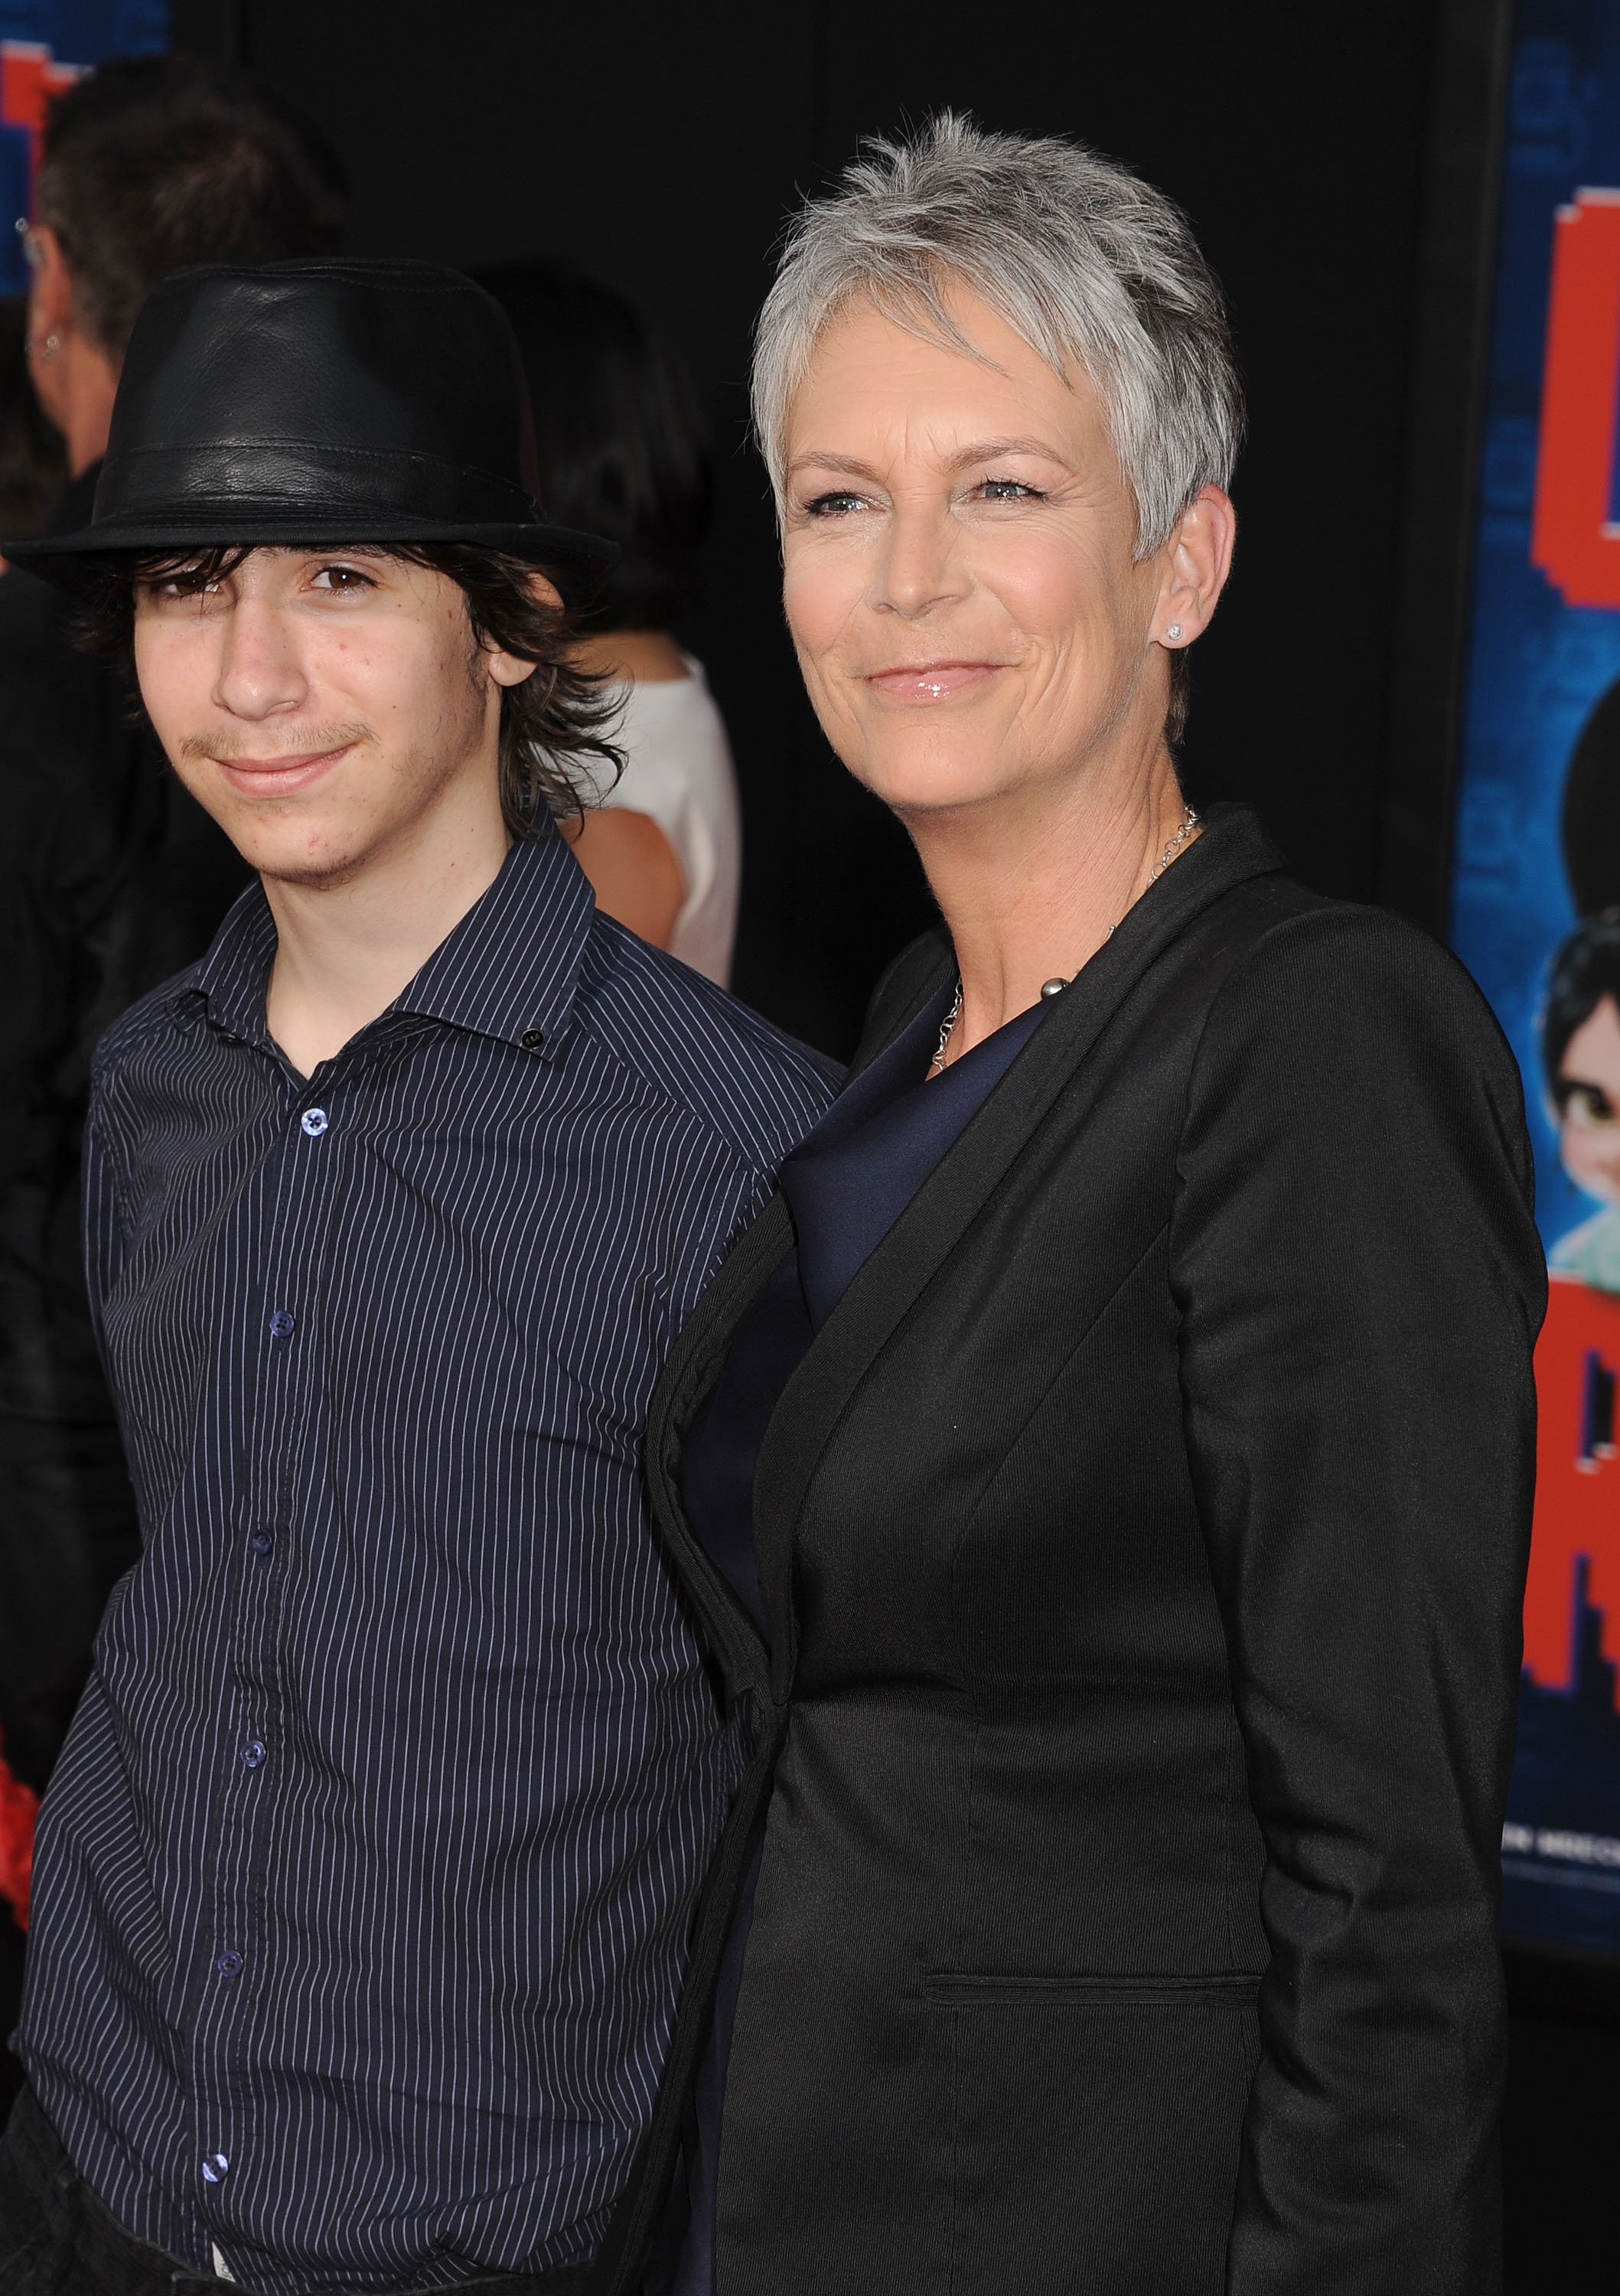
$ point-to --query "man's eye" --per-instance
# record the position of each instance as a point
(342, 577)
(835, 505)
(184, 586)
(1009, 490)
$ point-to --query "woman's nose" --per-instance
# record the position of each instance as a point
(921, 564)
(259, 672)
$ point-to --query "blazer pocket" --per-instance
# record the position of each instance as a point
(1096, 2128)
(980, 1989)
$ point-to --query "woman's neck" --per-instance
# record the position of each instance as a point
(1030, 892)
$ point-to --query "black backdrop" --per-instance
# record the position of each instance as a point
(1334, 162)
(662, 146)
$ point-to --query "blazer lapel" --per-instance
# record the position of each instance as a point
(1232, 849)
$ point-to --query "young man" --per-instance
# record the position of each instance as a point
(365, 1881)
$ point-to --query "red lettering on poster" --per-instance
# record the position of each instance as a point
(30, 77)
(1575, 541)
(1577, 1492)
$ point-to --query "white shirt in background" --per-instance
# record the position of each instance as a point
(678, 771)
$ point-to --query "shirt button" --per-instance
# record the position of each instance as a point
(229, 1965)
(314, 1121)
(252, 1754)
(261, 1542)
(281, 1324)
(215, 2166)
(533, 1040)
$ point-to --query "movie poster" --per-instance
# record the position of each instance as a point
(44, 47)
(1535, 910)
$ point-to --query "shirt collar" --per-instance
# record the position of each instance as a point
(508, 970)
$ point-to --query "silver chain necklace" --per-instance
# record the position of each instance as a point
(1058, 983)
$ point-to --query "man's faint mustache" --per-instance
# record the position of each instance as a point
(226, 749)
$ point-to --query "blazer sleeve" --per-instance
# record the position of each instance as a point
(1360, 1284)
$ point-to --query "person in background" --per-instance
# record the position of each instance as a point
(111, 877)
(1581, 1056)
(33, 464)
(624, 452)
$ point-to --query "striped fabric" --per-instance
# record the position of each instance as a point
(362, 1884)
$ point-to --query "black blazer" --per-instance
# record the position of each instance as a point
(1143, 1538)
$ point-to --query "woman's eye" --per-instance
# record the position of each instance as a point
(1009, 490)
(835, 505)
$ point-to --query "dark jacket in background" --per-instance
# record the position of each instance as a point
(112, 878)
(1143, 1540)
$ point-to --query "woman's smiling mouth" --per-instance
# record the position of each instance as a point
(933, 681)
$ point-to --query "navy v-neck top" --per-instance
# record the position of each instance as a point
(845, 1185)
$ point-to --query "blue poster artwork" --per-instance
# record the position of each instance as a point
(1535, 911)
(44, 47)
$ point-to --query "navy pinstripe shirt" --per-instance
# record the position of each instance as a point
(363, 1885)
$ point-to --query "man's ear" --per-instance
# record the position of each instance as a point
(50, 310)
(511, 668)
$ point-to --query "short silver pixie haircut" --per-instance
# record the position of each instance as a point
(1083, 259)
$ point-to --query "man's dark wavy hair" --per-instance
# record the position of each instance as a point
(553, 738)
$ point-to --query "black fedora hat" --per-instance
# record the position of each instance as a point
(347, 401)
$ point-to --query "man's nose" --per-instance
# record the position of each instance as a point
(260, 671)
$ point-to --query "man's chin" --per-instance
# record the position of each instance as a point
(285, 861)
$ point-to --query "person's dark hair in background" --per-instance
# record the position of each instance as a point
(147, 166)
(33, 467)
(111, 877)
(623, 451)
(620, 438)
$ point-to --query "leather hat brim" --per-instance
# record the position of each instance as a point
(577, 562)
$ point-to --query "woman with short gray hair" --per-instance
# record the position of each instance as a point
(1104, 1471)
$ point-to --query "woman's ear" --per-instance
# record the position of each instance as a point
(1197, 560)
